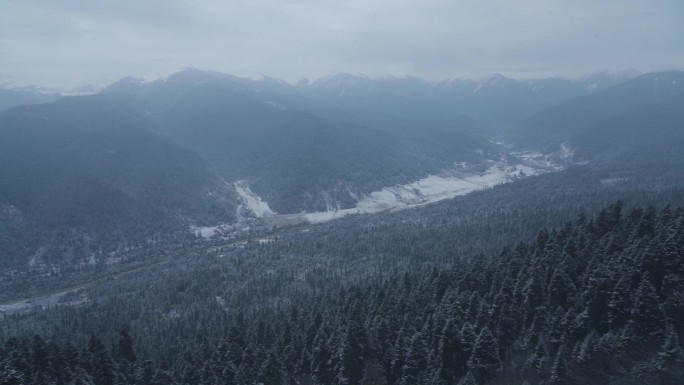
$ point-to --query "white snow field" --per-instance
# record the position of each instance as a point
(252, 201)
(432, 188)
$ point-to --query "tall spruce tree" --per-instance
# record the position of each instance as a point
(484, 360)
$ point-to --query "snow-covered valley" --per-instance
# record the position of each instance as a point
(458, 181)
(432, 188)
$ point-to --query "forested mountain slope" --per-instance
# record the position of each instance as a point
(652, 134)
(296, 152)
(228, 289)
(91, 175)
(594, 302)
(403, 106)
(10, 97)
(493, 105)
(559, 123)
(294, 160)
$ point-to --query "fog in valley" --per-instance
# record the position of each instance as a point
(358, 192)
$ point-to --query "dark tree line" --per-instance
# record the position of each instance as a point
(594, 302)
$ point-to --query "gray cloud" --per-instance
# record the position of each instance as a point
(71, 42)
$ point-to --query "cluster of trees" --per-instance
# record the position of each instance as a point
(594, 302)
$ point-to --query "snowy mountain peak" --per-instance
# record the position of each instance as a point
(341, 80)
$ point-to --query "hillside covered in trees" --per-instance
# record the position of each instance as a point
(341, 193)
(597, 301)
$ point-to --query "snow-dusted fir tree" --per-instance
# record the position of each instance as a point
(485, 357)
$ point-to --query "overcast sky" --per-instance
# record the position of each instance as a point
(74, 42)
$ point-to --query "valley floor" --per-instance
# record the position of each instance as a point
(432, 188)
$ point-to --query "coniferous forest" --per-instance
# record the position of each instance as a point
(362, 192)
(132, 250)
(597, 301)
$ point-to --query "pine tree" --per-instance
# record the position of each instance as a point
(320, 357)
(485, 357)
(557, 331)
(468, 338)
(561, 289)
(468, 379)
(56, 368)
(102, 367)
(70, 356)
(452, 360)
(303, 365)
(534, 292)
(538, 359)
(124, 346)
(620, 305)
(559, 369)
(536, 328)
(674, 249)
(670, 355)
(585, 348)
(608, 219)
(227, 362)
(646, 316)
(191, 375)
(578, 325)
(161, 377)
(246, 372)
(39, 360)
(145, 373)
(652, 261)
(271, 371)
(415, 361)
(348, 359)
(473, 307)
(81, 377)
(483, 315)
(234, 346)
(374, 374)
(673, 292)
(9, 375)
(505, 330)
(596, 297)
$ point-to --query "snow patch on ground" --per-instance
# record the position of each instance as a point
(614, 181)
(251, 208)
(204, 231)
(8, 211)
(35, 258)
(252, 201)
(430, 189)
(566, 152)
(546, 161)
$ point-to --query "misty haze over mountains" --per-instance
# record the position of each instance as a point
(169, 154)
(360, 192)
(313, 226)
